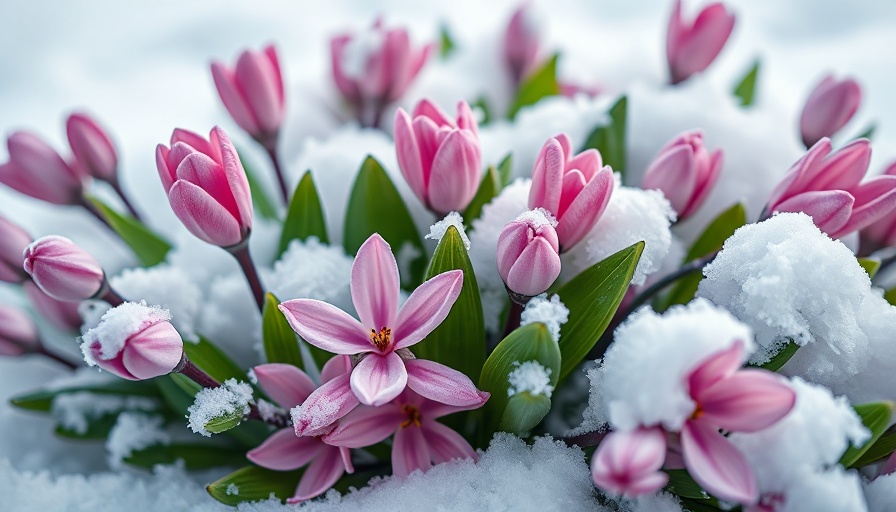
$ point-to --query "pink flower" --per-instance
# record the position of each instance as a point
(829, 107)
(685, 172)
(63, 270)
(35, 169)
(62, 314)
(289, 386)
(882, 232)
(441, 160)
(629, 462)
(691, 48)
(18, 334)
(826, 186)
(253, 93)
(381, 338)
(528, 253)
(207, 186)
(13, 241)
(521, 43)
(93, 150)
(134, 341)
(420, 441)
(575, 189)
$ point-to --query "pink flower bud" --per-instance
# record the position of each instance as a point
(528, 253)
(441, 160)
(93, 150)
(13, 240)
(18, 334)
(35, 169)
(521, 43)
(253, 93)
(206, 186)
(685, 172)
(63, 270)
(64, 315)
(629, 463)
(134, 341)
(575, 189)
(829, 107)
(691, 48)
(882, 232)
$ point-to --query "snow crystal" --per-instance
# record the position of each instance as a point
(251, 375)
(74, 411)
(659, 502)
(91, 312)
(314, 270)
(438, 230)
(167, 286)
(232, 490)
(538, 217)
(645, 368)
(405, 256)
(210, 403)
(134, 431)
(594, 417)
(117, 325)
(267, 410)
(632, 215)
(880, 493)
(530, 376)
(552, 313)
(230, 317)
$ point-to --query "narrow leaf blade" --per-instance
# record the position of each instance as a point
(488, 189)
(305, 217)
(216, 363)
(149, 247)
(610, 139)
(280, 342)
(540, 84)
(876, 418)
(746, 88)
(253, 483)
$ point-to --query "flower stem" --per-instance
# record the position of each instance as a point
(278, 170)
(112, 297)
(87, 205)
(244, 258)
(279, 419)
(42, 350)
(124, 199)
(585, 440)
(517, 305)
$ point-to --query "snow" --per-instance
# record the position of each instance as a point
(134, 431)
(74, 411)
(168, 287)
(531, 377)
(117, 325)
(537, 218)
(551, 312)
(438, 230)
(329, 282)
(267, 410)
(210, 403)
(880, 494)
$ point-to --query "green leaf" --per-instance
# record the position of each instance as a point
(540, 84)
(610, 139)
(482, 104)
(224, 422)
(532, 342)
(195, 456)
(682, 484)
(149, 247)
(890, 295)
(178, 392)
(253, 484)
(488, 189)
(876, 418)
(868, 133)
(523, 412)
(280, 342)
(42, 400)
(261, 201)
(213, 361)
(376, 207)
(97, 428)
(883, 447)
(780, 359)
(505, 170)
(447, 46)
(870, 265)
(746, 88)
(459, 341)
(305, 217)
(592, 298)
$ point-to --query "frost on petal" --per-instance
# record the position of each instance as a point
(327, 404)
(232, 397)
(117, 325)
(438, 230)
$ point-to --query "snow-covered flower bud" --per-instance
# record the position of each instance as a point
(36, 169)
(207, 186)
(685, 172)
(94, 153)
(134, 341)
(628, 463)
(521, 43)
(691, 47)
(63, 270)
(830, 105)
(18, 334)
(528, 253)
(440, 159)
(252, 92)
(13, 240)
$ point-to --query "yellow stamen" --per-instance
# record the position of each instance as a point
(698, 411)
(414, 417)
(381, 339)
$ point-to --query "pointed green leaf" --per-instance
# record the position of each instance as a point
(261, 200)
(540, 84)
(870, 265)
(97, 428)
(195, 456)
(746, 88)
(488, 189)
(505, 170)
(280, 342)
(42, 400)
(780, 359)
(890, 295)
(376, 207)
(524, 411)
(253, 483)
(868, 133)
(459, 341)
(305, 217)
(883, 447)
(592, 298)
(447, 46)
(610, 139)
(682, 484)
(178, 392)
(876, 418)
(210, 358)
(149, 247)
(224, 422)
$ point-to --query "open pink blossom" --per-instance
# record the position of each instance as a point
(629, 463)
(289, 386)
(691, 47)
(380, 340)
(420, 441)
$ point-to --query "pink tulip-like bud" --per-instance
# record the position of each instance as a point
(881, 233)
(64, 315)
(685, 172)
(207, 186)
(253, 93)
(63, 270)
(35, 169)
(92, 147)
(13, 240)
(691, 48)
(575, 189)
(828, 187)
(134, 341)
(830, 106)
(18, 334)
(440, 159)
(529, 253)
(521, 43)
(628, 463)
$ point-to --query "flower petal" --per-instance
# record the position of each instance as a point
(585, 209)
(717, 465)
(443, 384)
(232, 99)
(426, 308)
(365, 426)
(375, 284)
(325, 326)
(445, 444)
(409, 452)
(378, 379)
(327, 404)
(829, 209)
(284, 383)
(155, 351)
(284, 451)
(334, 367)
(202, 215)
(323, 472)
(748, 401)
(408, 152)
(715, 368)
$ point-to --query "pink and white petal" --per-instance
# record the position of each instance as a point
(192, 139)
(334, 367)
(429, 109)
(408, 152)
(717, 465)
(845, 168)
(327, 327)
(284, 451)
(284, 383)
(201, 170)
(377, 379)
(323, 472)
(648, 483)
(366, 426)
(748, 401)
(443, 384)
(410, 452)
(875, 199)
(715, 368)
(445, 444)
(829, 209)
(554, 163)
(375, 284)
(202, 215)
(230, 96)
(585, 209)
(327, 404)
(346, 456)
(234, 174)
(426, 308)
(257, 80)
(156, 351)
